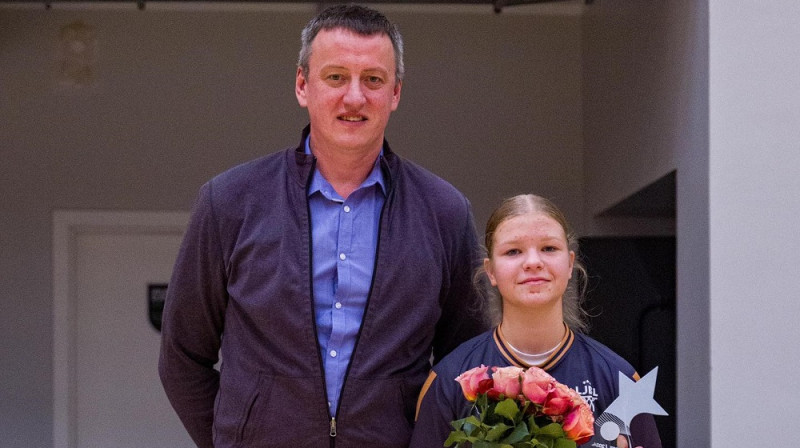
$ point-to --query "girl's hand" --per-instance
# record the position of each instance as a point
(622, 442)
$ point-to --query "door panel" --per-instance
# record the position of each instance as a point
(119, 401)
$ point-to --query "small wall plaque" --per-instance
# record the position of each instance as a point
(156, 295)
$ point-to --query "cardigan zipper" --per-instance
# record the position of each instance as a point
(389, 192)
(332, 432)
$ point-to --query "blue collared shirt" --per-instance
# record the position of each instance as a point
(344, 235)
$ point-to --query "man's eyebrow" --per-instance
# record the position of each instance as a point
(333, 67)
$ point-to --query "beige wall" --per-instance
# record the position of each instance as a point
(645, 115)
(634, 58)
(640, 103)
(491, 102)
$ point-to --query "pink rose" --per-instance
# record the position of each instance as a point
(506, 382)
(470, 381)
(559, 401)
(537, 384)
(579, 424)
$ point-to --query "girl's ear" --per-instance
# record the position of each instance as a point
(487, 266)
(571, 262)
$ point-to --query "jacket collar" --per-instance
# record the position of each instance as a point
(302, 166)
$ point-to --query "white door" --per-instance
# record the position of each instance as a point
(114, 396)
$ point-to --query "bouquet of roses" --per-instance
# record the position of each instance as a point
(515, 408)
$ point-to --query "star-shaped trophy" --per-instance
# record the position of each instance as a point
(635, 397)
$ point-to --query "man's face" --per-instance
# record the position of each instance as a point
(349, 91)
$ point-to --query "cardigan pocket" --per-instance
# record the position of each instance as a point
(280, 412)
(247, 408)
(379, 412)
(233, 407)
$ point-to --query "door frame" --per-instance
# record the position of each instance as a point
(68, 225)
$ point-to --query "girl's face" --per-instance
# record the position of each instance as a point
(530, 263)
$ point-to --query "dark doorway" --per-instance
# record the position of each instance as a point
(631, 298)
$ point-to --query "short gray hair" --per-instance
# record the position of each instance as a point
(355, 18)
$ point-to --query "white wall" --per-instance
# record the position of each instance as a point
(755, 205)
(491, 102)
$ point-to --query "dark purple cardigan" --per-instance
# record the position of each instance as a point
(242, 283)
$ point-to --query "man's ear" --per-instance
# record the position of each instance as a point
(300, 87)
(396, 95)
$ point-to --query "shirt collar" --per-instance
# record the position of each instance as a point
(319, 183)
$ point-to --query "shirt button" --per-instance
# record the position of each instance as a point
(333, 353)
(338, 305)
(347, 209)
(342, 256)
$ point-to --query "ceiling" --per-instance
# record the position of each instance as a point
(497, 5)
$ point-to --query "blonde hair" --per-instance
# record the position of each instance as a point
(572, 300)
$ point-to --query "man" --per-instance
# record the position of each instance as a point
(326, 275)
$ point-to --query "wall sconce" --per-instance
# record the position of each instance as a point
(76, 54)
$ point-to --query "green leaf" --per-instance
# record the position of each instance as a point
(455, 437)
(518, 435)
(564, 443)
(532, 425)
(487, 444)
(472, 420)
(472, 426)
(496, 432)
(507, 408)
(458, 424)
(553, 430)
